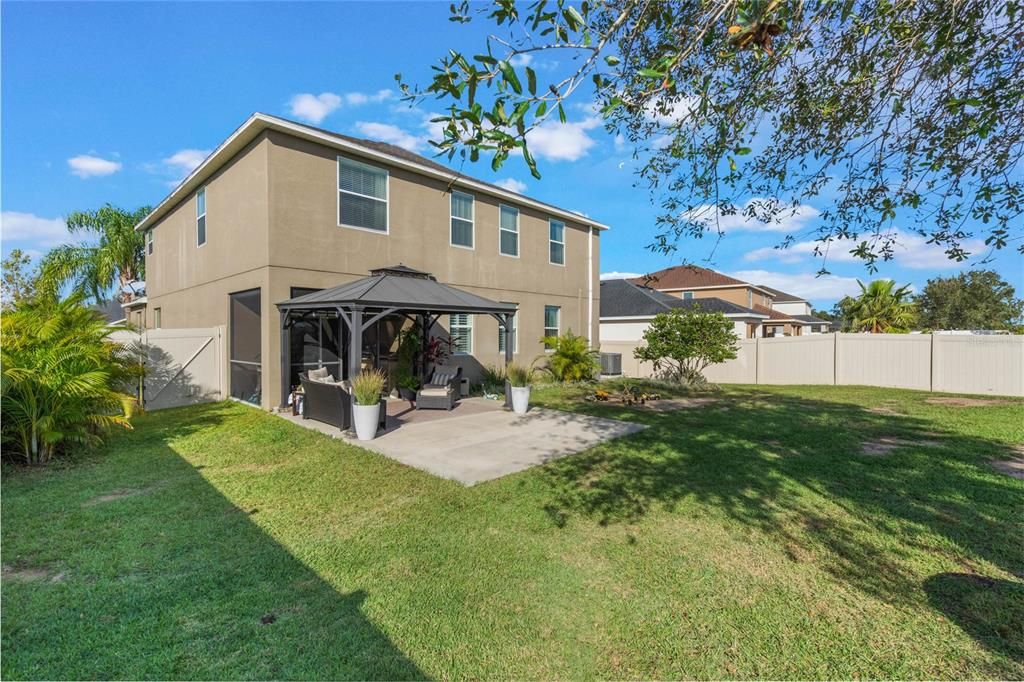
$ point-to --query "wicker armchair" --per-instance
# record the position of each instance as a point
(328, 403)
(443, 394)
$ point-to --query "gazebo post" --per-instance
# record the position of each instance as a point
(355, 343)
(424, 343)
(285, 369)
(507, 324)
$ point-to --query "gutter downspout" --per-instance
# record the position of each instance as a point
(590, 285)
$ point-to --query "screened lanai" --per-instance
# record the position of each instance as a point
(345, 326)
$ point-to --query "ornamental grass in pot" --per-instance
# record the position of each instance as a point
(366, 391)
(520, 378)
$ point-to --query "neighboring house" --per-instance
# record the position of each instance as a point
(282, 209)
(112, 312)
(627, 309)
(693, 282)
(798, 309)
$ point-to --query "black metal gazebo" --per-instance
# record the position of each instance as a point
(396, 290)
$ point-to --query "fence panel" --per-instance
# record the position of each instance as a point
(889, 360)
(796, 360)
(978, 364)
(741, 370)
(183, 366)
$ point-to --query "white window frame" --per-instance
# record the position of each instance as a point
(515, 334)
(519, 246)
(206, 223)
(472, 221)
(687, 295)
(468, 325)
(553, 241)
(149, 242)
(558, 328)
(386, 199)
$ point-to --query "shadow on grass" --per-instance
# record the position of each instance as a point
(173, 581)
(793, 468)
(988, 609)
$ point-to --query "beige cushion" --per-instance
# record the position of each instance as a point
(434, 392)
(319, 374)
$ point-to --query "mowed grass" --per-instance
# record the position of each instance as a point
(744, 537)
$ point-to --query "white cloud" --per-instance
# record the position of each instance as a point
(789, 220)
(86, 166)
(620, 275)
(512, 185)
(185, 161)
(19, 227)
(557, 141)
(806, 285)
(314, 108)
(521, 60)
(392, 134)
(666, 113)
(909, 250)
(359, 98)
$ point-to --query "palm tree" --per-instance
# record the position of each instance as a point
(116, 258)
(61, 377)
(881, 307)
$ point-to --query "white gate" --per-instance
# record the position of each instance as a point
(183, 366)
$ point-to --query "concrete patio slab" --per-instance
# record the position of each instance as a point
(486, 442)
(488, 445)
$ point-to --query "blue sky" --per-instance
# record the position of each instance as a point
(111, 102)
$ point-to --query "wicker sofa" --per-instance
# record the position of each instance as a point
(443, 390)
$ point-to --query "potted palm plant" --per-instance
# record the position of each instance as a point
(520, 378)
(366, 390)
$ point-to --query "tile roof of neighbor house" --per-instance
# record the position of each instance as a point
(625, 298)
(782, 296)
(686, 277)
(810, 318)
(260, 121)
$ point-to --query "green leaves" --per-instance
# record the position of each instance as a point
(508, 73)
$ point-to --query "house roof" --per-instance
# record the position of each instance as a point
(111, 311)
(810, 318)
(691, 277)
(774, 315)
(781, 296)
(398, 287)
(368, 149)
(624, 298)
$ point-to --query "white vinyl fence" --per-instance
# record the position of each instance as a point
(183, 366)
(926, 362)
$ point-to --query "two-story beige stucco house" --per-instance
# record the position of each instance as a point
(282, 209)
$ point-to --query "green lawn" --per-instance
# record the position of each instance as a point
(747, 537)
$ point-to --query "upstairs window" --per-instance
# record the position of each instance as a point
(201, 217)
(687, 295)
(462, 220)
(556, 242)
(508, 232)
(460, 329)
(362, 195)
(149, 242)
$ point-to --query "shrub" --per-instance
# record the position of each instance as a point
(571, 358)
(681, 343)
(368, 386)
(61, 378)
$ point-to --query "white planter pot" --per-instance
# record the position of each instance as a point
(520, 399)
(365, 418)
